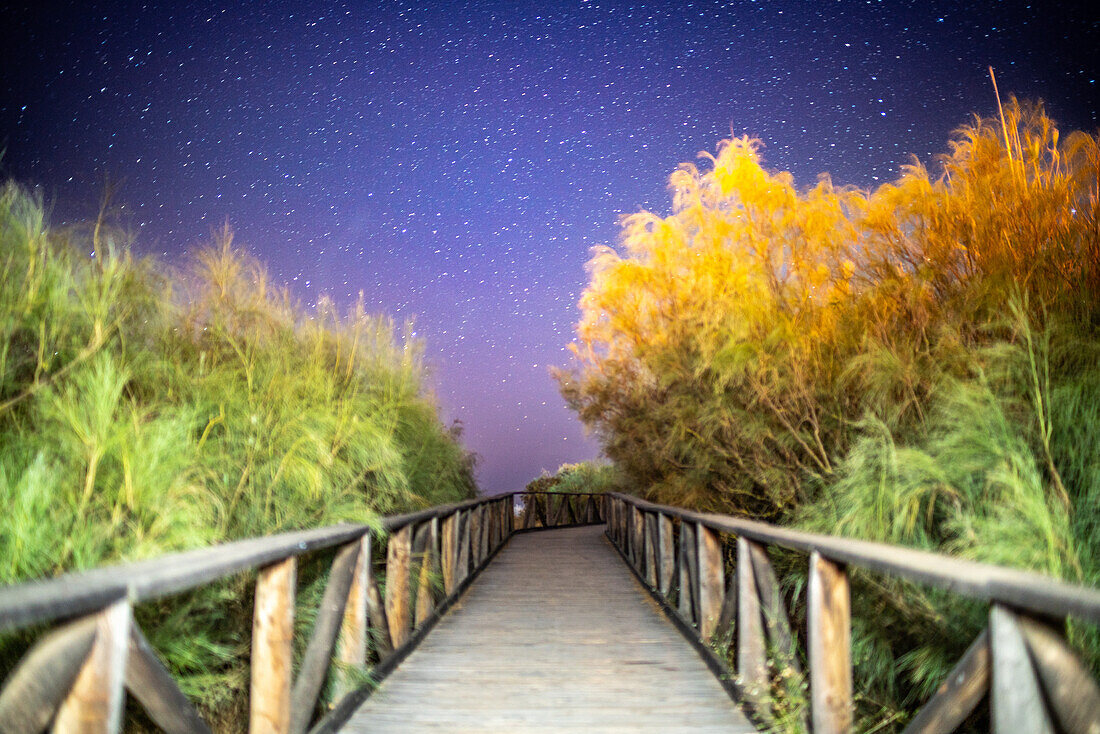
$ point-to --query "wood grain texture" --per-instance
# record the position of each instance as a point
(830, 642)
(272, 653)
(751, 649)
(351, 651)
(711, 580)
(1016, 697)
(1067, 682)
(94, 705)
(398, 562)
(666, 552)
(41, 681)
(538, 645)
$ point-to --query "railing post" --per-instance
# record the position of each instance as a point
(272, 637)
(1016, 696)
(751, 653)
(449, 551)
(352, 649)
(666, 555)
(429, 567)
(688, 573)
(711, 580)
(830, 641)
(651, 560)
(398, 557)
(637, 539)
(94, 704)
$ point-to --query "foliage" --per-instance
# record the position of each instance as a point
(145, 409)
(586, 476)
(915, 364)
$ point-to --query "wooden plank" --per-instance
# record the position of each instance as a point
(776, 619)
(711, 580)
(94, 703)
(449, 552)
(651, 559)
(637, 539)
(351, 652)
(326, 626)
(830, 641)
(379, 626)
(272, 648)
(72, 595)
(752, 660)
(959, 694)
(463, 548)
(1068, 684)
(429, 571)
(564, 665)
(474, 520)
(398, 562)
(156, 690)
(1016, 698)
(688, 605)
(666, 555)
(44, 677)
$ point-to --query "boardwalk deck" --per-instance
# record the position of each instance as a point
(555, 635)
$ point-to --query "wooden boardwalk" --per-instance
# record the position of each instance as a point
(555, 635)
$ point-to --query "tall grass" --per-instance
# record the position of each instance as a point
(147, 408)
(915, 364)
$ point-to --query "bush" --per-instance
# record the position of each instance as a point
(146, 409)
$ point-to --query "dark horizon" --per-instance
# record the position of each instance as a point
(456, 164)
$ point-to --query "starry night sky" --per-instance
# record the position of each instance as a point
(456, 161)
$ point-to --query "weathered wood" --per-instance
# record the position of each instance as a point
(94, 703)
(272, 648)
(474, 520)
(326, 626)
(1069, 687)
(156, 690)
(351, 651)
(666, 555)
(830, 640)
(637, 539)
(398, 561)
(752, 661)
(688, 605)
(651, 558)
(711, 580)
(564, 665)
(959, 694)
(72, 595)
(379, 626)
(44, 676)
(1016, 698)
(463, 530)
(449, 552)
(776, 620)
(1033, 592)
(429, 572)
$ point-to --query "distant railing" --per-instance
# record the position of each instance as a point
(1035, 682)
(76, 675)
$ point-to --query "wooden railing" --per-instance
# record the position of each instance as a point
(76, 675)
(1034, 681)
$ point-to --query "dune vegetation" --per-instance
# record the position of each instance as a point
(146, 408)
(918, 364)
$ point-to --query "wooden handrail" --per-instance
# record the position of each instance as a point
(1020, 661)
(1028, 591)
(90, 661)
